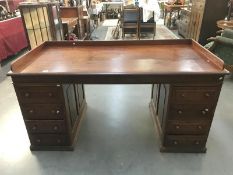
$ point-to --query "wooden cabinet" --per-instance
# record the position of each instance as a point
(202, 19)
(52, 113)
(81, 28)
(41, 22)
(183, 114)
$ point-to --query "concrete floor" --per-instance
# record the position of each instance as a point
(117, 137)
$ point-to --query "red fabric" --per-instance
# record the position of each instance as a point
(12, 37)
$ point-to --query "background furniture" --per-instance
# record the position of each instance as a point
(183, 22)
(147, 27)
(130, 21)
(81, 28)
(187, 102)
(41, 22)
(171, 8)
(68, 25)
(222, 46)
(224, 24)
(202, 19)
(12, 37)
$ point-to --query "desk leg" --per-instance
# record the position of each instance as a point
(183, 114)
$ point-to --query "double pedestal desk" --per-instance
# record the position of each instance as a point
(186, 82)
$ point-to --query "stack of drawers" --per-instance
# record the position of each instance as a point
(185, 116)
(48, 116)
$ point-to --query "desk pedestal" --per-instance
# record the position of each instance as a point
(183, 114)
(52, 113)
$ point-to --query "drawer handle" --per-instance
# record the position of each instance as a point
(38, 140)
(31, 111)
(177, 127)
(180, 112)
(175, 142)
(55, 128)
(50, 94)
(34, 128)
(199, 127)
(182, 95)
(55, 112)
(207, 94)
(58, 140)
(205, 111)
(197, 143)
(26, 94)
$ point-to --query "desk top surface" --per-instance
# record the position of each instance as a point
(123, 57)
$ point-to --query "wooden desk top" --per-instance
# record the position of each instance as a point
(119, 57)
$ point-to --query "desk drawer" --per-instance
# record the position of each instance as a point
(187, 128)
(184, 141)
(43, 111)
(191, 112)
(39, 94)
(49, 140)
(197, 95)
(45, 126)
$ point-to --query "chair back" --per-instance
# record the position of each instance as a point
(130, 15)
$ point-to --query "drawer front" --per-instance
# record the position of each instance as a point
(39, 94)
(49, 140)
(191, 112)
(45, 126)
(190, 95)
(184, 141)
(42, 111)
(187, 128)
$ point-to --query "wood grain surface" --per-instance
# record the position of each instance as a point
(124, 57)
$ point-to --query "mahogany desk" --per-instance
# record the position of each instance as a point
(49, 85)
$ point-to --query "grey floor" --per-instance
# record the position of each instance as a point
(117, 137)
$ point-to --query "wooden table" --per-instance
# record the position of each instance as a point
(224, 24)
(169, 8)
(186, 80)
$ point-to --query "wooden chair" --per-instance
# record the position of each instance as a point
(147, 27)
(130, 21)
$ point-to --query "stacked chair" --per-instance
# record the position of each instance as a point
(132, 22)
(222, 46)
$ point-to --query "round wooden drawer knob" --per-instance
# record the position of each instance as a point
(55, 112)
(182, 95)
(38, 140)
(50, 94)
(199, 127)
(180, 112)
(55, 128)
(58, 140)
(197, 143)
(177, 127)
(31, 111)
(207, 94)
(26, 94)
(175, 142)
(34, 128)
